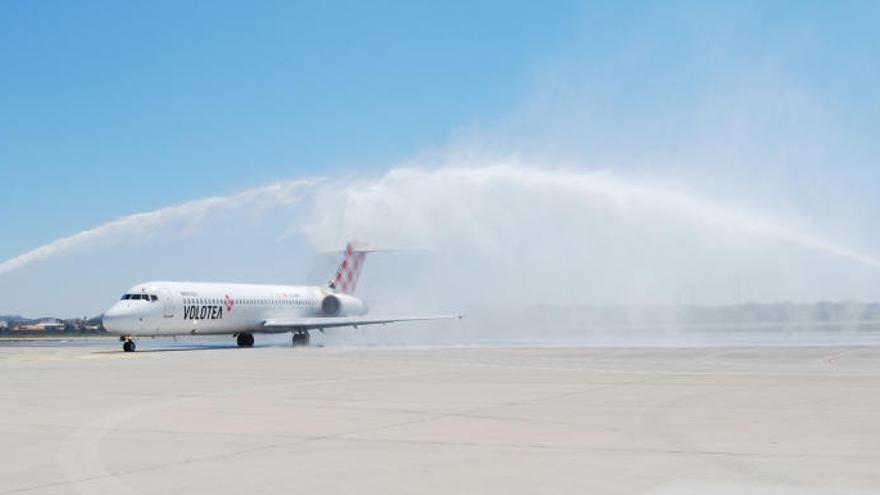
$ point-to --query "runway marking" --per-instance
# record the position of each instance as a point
(622, 371)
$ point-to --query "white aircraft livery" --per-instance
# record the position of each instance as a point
(190, 308)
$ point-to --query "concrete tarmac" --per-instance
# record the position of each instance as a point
(191, 419)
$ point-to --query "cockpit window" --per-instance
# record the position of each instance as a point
(140, 297)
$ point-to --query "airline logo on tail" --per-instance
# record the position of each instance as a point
(349, 270)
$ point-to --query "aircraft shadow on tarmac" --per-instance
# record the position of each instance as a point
(192, 348)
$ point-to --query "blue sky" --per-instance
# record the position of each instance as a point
(110, 108)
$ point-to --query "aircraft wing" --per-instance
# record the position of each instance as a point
(322, 322)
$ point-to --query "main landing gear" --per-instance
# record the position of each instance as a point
(245, 340)
(128, 344)
(300, 339)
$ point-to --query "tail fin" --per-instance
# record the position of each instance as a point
(349, 270)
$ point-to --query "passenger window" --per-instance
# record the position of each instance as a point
(153, 298)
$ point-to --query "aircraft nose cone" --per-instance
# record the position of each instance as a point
(117, 321)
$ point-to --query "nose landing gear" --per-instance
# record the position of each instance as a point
(245, 340)
(128, 344)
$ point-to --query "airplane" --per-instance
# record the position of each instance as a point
(241, 310)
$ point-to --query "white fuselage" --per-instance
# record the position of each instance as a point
(192, 308)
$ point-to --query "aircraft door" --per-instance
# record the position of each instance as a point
(168, 301)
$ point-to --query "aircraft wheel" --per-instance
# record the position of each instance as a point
(245, 340)
(300, 340)
(128, 346)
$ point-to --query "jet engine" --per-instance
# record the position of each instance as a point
(342, 305)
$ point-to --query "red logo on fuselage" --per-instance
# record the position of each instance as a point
(229, 302)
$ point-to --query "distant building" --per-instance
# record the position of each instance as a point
(42, 326)
(3, 325)
(27, 327)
